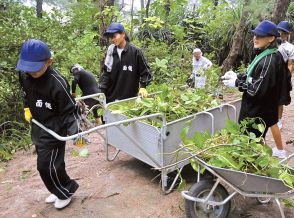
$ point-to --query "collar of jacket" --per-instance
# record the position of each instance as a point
(125, 48)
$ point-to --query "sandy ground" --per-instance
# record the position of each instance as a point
(125, 187)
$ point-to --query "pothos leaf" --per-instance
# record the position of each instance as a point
(194, 165)
(287, 179)
(184, 133)
(236, 141)
(84, 152)
(252, 135)
(199, 139)
(262, 161)
(228, 161)
(232, 126)
(261, 127)
(273, 172)
(267, 150)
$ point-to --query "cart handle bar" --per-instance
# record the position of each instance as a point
(101, 95)
(186, 195)
(287, 158)
(66, 138)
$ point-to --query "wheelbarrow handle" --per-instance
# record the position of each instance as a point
(99, 96)
(187, 196)
(66, 138)
(287, 158)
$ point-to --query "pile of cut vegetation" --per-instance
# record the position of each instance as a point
(173, 103)
(237, 149)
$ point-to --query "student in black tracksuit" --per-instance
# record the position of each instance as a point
(88, 85)
(47, 99)
(125, 72)
(265, 81)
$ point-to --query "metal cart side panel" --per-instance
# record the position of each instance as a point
(134, 139)
(199, 123)
(210, 121)
(221, 114)
(252, 183)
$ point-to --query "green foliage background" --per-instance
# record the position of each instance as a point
(72, 32)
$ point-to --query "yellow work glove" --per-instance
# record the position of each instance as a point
(27, 114)
(80, 142)
(143, 92)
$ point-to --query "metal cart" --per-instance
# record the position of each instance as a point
(158, 146)
(209, 198)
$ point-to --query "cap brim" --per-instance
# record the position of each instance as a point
(109, 32)
(30, 67)
(259, 33)
(280, 28)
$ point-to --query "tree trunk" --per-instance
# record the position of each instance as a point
(142, 4)
(132, 14)
(122, 4)
(238, 40)
(167, 6)
(39, 9)
(279, 11)
(142, 8)
(147, 7)
(110, 3)
(101, 4)
(3, 7)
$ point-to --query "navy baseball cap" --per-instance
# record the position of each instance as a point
(34, 54)
(114, 28)
(266, 28)
(285, 26)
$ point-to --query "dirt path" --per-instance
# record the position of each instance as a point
(125, 187)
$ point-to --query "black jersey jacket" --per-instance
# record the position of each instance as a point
(86, 82)
(123, 80)
(51, 104)
(262, 95)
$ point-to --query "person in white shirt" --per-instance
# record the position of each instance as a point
(200, 65)
(287, 51)
(199, 62)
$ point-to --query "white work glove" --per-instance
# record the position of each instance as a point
(230, 82)
(229, 75)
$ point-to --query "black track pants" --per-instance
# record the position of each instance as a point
(51, 166)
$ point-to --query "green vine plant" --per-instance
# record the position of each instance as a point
(173, 103)
(13, 137)
(237, 149)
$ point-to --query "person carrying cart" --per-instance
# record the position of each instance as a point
(125, 72)
(264, 83)
(47, 99)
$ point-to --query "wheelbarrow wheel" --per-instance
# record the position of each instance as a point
(201, 190)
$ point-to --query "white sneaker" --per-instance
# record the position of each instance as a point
(279, 153)
(59, 204)
(51, 199)
(280, 124)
